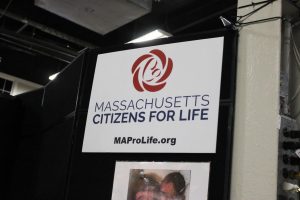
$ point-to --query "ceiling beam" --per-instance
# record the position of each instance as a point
(37, 46)
(46, 29)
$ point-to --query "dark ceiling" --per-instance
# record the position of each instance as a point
(35, 43)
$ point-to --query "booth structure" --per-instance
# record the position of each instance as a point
(161, 107)
(136, 112)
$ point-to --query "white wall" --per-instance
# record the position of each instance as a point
(20, 85)
(254, 167)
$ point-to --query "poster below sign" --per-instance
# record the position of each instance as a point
(161, 98)
(160, 180)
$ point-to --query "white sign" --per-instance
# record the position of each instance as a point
(161, 180)
(161, 98)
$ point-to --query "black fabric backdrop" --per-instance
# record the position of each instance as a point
(44, 141)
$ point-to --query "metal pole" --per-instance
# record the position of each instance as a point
(285, 65)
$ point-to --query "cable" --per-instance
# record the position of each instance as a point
(297, 58)
(295, 95)
(296, 51)
(253, 4)
(246, 16)
(6, 8)
(259, 21)
(239, 26)
(293, 3)
(240, 22)
(297, 115)
(219, 13)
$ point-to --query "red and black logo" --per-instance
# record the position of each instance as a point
(150, 71)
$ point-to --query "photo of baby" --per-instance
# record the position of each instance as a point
(158, 184)
(161, 181)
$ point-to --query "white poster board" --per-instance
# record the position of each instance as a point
(161, 180)
(157, 99)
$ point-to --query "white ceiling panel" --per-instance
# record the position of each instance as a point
(101, 16)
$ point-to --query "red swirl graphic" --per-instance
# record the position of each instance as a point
(150, 71)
